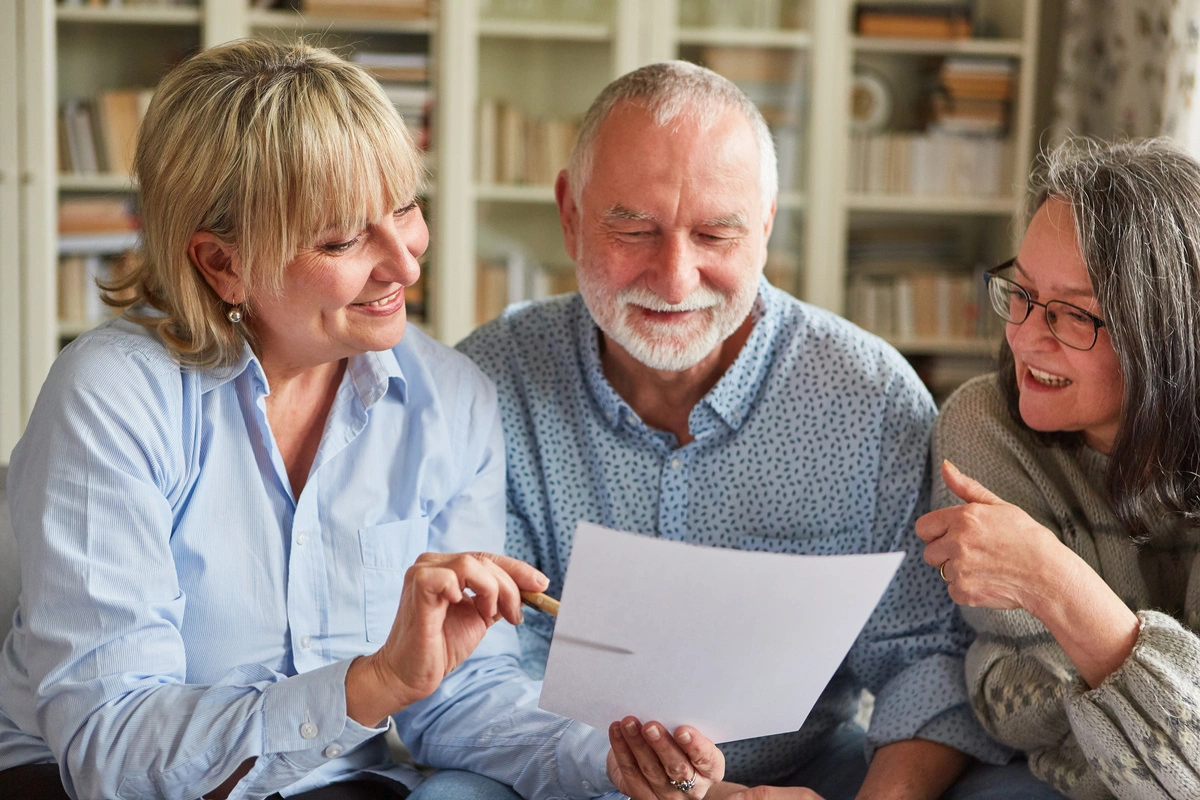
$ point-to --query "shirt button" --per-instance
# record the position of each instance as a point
(630, 419)
(333, 751)
(676, 464)
(301, 539)
(305, 642)
(587, 786)
(308, 730)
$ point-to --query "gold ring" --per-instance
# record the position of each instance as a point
(942, 570)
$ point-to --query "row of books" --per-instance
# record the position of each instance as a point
(945, 19)
(514, 278)
(384, 9)
(758, 14)
(99, 134)
(518, 148)
(922, 305)
(78, 294)
(973, 96)
(930, 164)
(121, 3)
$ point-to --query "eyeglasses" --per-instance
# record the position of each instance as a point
(1070, 324)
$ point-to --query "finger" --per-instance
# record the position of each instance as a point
(647, 759)
(966, 488)
(480, 576)
(631, 781)
(525, 576)
(675, 763)
(702, 752)
(933, 526)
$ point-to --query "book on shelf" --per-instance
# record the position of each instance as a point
(513, 278)
(915, 306)
(931, 20)
(516, 148)
(973, 96)
(99, 134)
(78, 290)
(938, 163)
(937, 20)
(406, 67)
(96, 215)
(376, 9)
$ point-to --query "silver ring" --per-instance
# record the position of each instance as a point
(688, 785)
(942, 570)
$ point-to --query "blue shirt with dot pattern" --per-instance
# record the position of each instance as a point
(815, 441)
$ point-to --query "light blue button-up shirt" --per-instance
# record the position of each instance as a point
(814, 441)
(181, 611)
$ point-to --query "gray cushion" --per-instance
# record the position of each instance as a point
(10, 578)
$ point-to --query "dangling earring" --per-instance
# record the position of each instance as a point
(234, 314)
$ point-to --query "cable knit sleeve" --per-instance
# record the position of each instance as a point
(1138, 734)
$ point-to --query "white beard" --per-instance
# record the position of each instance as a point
(666, 346)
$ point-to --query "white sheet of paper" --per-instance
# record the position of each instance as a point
(737, 644)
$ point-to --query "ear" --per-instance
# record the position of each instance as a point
(218, 262)
(568, 213)
(769, 224)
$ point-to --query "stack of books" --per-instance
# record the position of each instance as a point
(974, 96)
(950, 19)
(517, 148)
(405, 80)
(99, 134)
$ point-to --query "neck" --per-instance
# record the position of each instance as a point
(665, 399)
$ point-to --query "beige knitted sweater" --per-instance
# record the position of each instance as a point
(1137, 735)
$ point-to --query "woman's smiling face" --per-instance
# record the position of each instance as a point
(345, 294)
(1062, 389)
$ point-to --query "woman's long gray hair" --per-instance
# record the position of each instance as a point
(1136, 207)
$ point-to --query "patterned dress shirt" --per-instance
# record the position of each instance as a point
(815, 441)
(181, 611)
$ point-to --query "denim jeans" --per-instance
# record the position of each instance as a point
(837, 772)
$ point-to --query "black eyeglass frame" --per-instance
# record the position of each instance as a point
(994, 273)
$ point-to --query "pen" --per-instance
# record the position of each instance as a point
(541, 601)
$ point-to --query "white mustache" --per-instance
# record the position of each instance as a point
(700, 298)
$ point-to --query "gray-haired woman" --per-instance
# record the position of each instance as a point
(1074, 542)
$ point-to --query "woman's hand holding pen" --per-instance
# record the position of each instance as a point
(448, 602)
(647, 763)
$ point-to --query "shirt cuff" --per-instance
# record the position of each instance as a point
(920, 694)
(582, 758)
(305, 717)
(958, 728)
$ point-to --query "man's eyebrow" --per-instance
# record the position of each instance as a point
(621, 212)
(734, 220)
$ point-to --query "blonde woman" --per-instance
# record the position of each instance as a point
(224, 495)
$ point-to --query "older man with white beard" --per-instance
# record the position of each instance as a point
(679, 395)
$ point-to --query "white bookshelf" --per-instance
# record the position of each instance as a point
(551, 66)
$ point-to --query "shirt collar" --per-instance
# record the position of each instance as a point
(731, 398)
(371, 374)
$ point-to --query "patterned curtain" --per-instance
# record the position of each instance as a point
(1129, 69)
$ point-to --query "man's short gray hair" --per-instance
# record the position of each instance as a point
(668, 90)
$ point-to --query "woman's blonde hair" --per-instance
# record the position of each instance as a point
(264, 145)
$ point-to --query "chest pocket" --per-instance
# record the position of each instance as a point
(387, 551)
